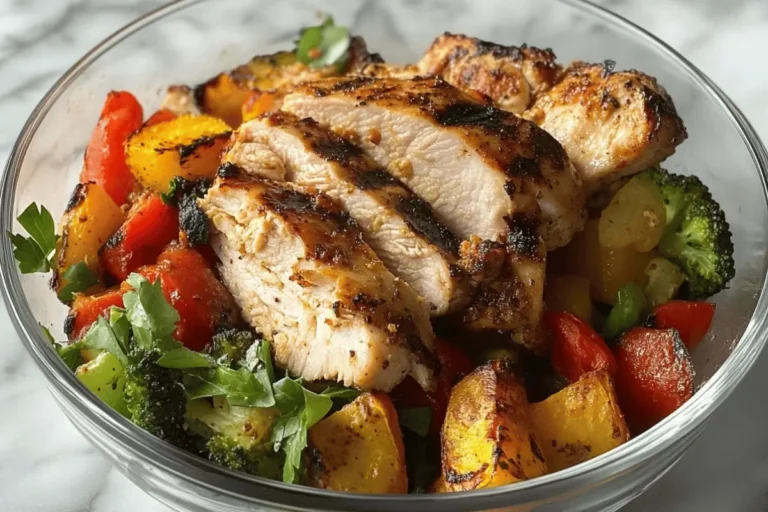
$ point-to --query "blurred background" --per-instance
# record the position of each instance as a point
(41, 454)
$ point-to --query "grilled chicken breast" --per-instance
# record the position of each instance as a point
(486, 173)
(399, 226)
(302, 274)
(475, 164)
(611, 124)
(511, 76)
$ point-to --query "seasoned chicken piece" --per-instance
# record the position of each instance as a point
(511, 76)
(611, 124)
(475, 164)
(396, 223)
(180, 100)
(486, 173)
(302, 275)
(383, 70)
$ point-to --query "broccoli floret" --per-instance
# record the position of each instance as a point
(230, 345)
(238, 437)
(184, 194)
(156, 400)
(696, 237)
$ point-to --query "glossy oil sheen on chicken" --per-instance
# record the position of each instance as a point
(397, 224)
(302, 275)
(511, 76)
(611, 124)
(475, 164)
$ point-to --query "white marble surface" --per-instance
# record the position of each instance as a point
(45, 465)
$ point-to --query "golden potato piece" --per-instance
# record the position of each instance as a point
(634, 218)
(579, 422)
(358, 449)
(188, 146)
(568, 293)
(90, 219)
(606, 269)
(222, 97)
(487, 439)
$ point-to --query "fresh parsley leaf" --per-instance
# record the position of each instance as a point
(120, 326)
(29, 255)
(39, 224)
(301, 409)
(101, 336)
(78, 278)
(416, 419)
(47, 333)
(70, 354)
(35, 253)
(182, 358)
(147, 308)
(293, 449)
(258, 356)
(324, 45)
(340, 392)
(240, 387)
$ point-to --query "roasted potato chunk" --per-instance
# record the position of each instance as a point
(579, 422)
(90, 219)
(635, 217)
(188, 146)
(359, 449)
(487, 439)
(606, 269)
(222, 97)
(568, 293)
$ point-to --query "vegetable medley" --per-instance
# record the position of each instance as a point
(158, 334)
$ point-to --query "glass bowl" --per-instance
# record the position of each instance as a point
(189, 41)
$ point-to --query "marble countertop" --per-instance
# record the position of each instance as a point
(46, 465)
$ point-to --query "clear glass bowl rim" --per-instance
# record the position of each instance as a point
(688, 420)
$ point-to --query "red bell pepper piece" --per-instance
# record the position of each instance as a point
(105, 155)
(151, 225)
(655, 375)
(160, 116)
(576, 347)
(454, 365)
(87, 309)
(691, 319)
(202, 301)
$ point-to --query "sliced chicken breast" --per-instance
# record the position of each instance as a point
(611, 124)
(302, 275)
(399, 226)
(475, 164)
(487, 174)
(511, 76)
(180, 100)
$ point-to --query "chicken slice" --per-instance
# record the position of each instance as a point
(180, 100)
(511, 76)
(475, 164)
(611, 124)
(301, 273)
(399, 226)
(486, 173)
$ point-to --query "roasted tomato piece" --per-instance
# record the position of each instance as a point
(202, 301)
(87, 308)
(655, 375)
(691, 319)
(576, 348)
(151, 225)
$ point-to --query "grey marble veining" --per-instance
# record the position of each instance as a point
(45, 465)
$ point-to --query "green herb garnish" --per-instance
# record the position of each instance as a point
(324, 45)
(36, 252)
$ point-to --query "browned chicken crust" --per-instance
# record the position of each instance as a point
(611, 124)
(511, 76)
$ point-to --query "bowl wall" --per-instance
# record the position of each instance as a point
(193, 41)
